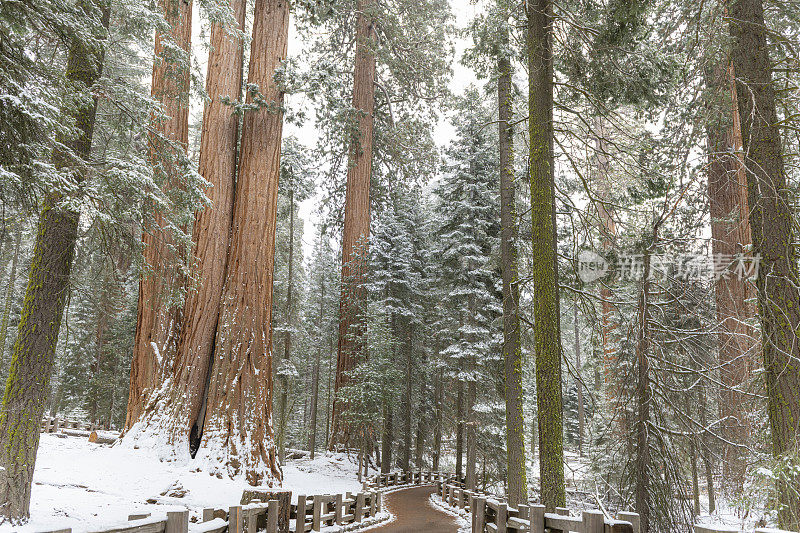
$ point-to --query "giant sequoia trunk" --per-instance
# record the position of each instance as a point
(771, 220)
(48, 285)
(547, 323)
(730, 234)
(512, 350)
(158, 310)
(176, 411)
(356, 220)
(237, 434)
(212, 226)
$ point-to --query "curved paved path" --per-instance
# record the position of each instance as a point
(414, 514)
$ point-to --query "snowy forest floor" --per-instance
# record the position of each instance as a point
(85, 486)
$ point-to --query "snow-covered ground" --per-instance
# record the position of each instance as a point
(85, 486)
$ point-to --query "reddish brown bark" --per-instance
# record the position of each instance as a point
(238, 436)
(212, 225)
(158, 310)
(356, 219)
(730, 234)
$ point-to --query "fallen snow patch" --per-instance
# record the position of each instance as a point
(85, 486)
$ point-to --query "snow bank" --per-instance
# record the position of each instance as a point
(85, 486)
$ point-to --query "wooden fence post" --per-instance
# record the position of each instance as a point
(372, 497)
(235, 520)
(315, 522)
(537, 518)
(593, 522)
(338, 511)
(502, 518)
(379, 503)
(273, 513)
(479, 515)
(177, 522)
(359, 514)
(208, 514)
(633, 518)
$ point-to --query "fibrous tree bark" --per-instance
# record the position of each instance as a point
(512, 348)
(159, 310)
(237, 434)
(32, 358)
(730, 239)
(547, 322)
(212, 225)
(176, 410)
(355, 234)
(771, 223)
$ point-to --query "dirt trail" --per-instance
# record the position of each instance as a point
(414, 513)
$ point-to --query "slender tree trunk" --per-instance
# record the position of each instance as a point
(460, 430)
(103, 313)
(643, 466)
(387, 439)
(48, 285)
(547, 326)
(238, 433)
(408, 352)
(158, 314)
(287, 345)
(512, 350)
(472, 434)
(419, 446)
(12, 280)
(705, 449)
(437, 429)
(695, 478)
(579, 384)
(312, 441)
(355, 236)
(773, 238)
(731, 237)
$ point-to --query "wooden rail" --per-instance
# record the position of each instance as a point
(490, 514)
(310, 513)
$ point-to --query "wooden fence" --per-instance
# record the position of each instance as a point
(491, 514)
(310, 513)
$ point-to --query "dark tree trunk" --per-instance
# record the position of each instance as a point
(48, 285)
(419, 445)
(287, 351)
(387, 439)
(312, 439)
(643, 461)
(408, 348)
(12, 280)
(547, 326)
(771, 222)
(579, 384)
(512, 350)
(460, 430)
